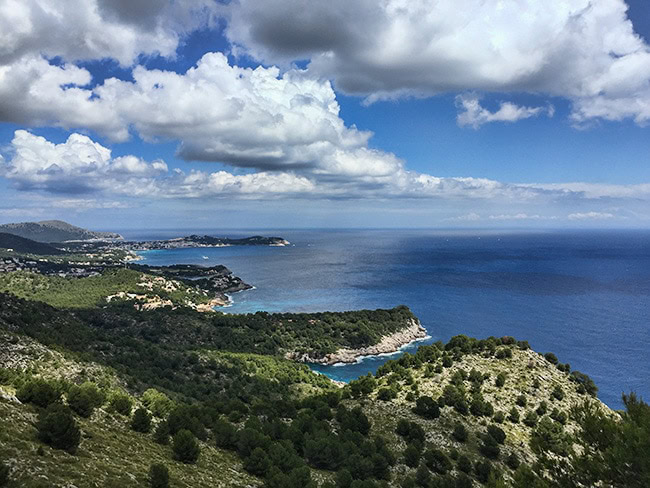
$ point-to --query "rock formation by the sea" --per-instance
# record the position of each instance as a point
(388, 344)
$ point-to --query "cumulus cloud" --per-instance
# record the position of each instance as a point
(583, 50)
(97, 29)
(474, 115)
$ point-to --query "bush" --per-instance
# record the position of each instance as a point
(504, 353)
(483, 471)
(225, 434)
(464, 464)
(437, 461)
(161, 434)
(84, 399)
(427, 408)
(57, 427)
(460, 432)
(490, 447)
(521, 401)
(530, 419)
(585, 383)
(558, 392)
(185, 447)
(499, 417)
(412, 455)
(141, 421)
(387, 394)
(513, 461)
(158, 476)
(4, 474)
(39, 392)
(551, 358)
(121, 403)
(496, 433)
(257, 463)
(501, 380)
(513, 416)
(542, 409)
(157, 402)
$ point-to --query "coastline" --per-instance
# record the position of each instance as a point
(387, 346)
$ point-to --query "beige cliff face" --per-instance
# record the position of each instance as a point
(389, 344)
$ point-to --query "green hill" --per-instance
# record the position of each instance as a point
(54, 231)
(96, 397)
(27, 246)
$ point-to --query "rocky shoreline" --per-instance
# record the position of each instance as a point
(388, 345)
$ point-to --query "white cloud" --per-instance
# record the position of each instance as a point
(579, 49)
(97, 29)
(474, 115)
(591, 216)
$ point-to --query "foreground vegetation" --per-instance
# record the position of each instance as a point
(111, 397)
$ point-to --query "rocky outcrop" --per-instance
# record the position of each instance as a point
(388, 344)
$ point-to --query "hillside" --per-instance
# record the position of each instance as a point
(464, 414)
(22, 245)
(54, 231)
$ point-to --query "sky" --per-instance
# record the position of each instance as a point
(293, 113)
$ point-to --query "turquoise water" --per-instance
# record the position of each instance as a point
(583, 295)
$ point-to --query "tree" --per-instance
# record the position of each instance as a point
(460, 432)
(4, 474)
(161, 434)
(501, 380)
(84, 399)
(157, 402)
(185, 447)
(121, 403)
(551, 358)
(464, 464)
(158, 476)
(423, 476)
(57, 427)
(437, 461)
(343, 479)
(39, 392)
(412, 455)
(427, 408)
(496, 433)
(257, 463)
(141, 421)
(225, 434)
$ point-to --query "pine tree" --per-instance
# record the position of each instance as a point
(57, 427)
(141, 421)
(158, 476)
(185, 447)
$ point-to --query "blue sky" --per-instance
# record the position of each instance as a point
(202, 114)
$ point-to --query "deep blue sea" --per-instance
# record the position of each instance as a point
(583, 295)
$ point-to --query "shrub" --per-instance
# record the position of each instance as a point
(501, 380)
(257, 463)
(464, 464)
(158, 476)
(412, 456)
(496, 433)
(121, 403)
(427, 408)
(57, 427)
(512, 461)
(437, 461)
(521, 401)
(84, 399)
(483, 470)
(423, 476)
(141, 421)
(4, 474)
(185, 447)
(499, 417)
(504, 353)
(530, 419)
(490, 448)
(559, 416)
(585, 383)
(39, 392)
(551, 358)
(542, 409)
(463, 481)
(513, 416)
(387, 394)
(460, 432)
(161, 434)
(225, 434)
(157, 402)
(558, 392)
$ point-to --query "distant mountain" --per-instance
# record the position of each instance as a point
(54, 231)
(26, 246)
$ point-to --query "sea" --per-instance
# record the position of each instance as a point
(584, 295)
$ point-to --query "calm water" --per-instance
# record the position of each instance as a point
(583, 295)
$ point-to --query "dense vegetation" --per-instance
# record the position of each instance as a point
(185, 399)
(27, 246)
